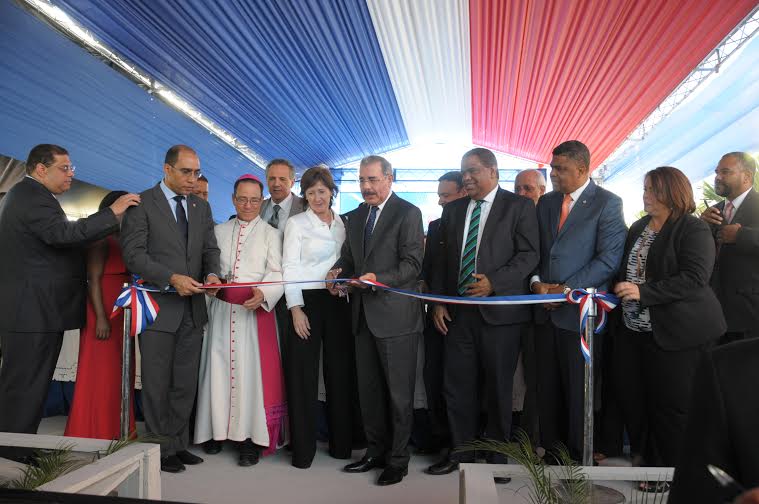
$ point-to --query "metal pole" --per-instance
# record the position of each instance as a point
(590, 328)
(126, 372)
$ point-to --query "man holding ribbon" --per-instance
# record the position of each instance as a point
(384, 244)
(169, 242)
(489, 247)
(582, 238)
(241, 392)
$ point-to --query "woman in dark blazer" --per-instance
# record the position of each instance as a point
(669, 316)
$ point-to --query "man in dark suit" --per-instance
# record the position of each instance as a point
(437, 436)
(489, 247)
(384, 243)
(43, 281)
(735, 225)
(721, 425)
(169, 241)
(582, 238)
(281, 203)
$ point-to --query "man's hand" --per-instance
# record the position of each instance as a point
(120, 205)
(300, 322)
(481, 287)
(102, 328)
(256, 301)
(212, 279)
(729, 233)
(749, 497)
(546, 288)
(712, 215)
(361, 285)
(627, 291)
(439, 316)
(185, 286)
(332, 286)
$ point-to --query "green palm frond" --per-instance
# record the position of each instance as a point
(118, 444)
(50, 465)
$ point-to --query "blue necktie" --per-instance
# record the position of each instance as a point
(369, 226)
(181, 216)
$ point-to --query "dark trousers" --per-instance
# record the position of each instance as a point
(386, 377)
(656, 385)
(561, 385)
(479, 353)
(329, 318)
(434, 354)
(28, 365)
(732, 336)
(528, 419)
(170, 380)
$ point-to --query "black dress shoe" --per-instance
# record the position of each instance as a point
(249, 454)
(212, 447)
(188, 458)
(392, 475)
(172, 464)
(364, 465)
(445, 466)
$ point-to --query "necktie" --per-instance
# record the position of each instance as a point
(369, 228)
(564, 210)
(181, 216)
(728, 212)
(274, 220)
(469, 256)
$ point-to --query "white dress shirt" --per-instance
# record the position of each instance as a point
(310, 249)
(284, 211)
(485, 207)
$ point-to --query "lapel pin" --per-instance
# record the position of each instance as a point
(193, 205)
(583, 202)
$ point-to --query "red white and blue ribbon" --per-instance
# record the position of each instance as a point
(144, 307)
(605, 303)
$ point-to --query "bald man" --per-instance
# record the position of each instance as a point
(530, 184)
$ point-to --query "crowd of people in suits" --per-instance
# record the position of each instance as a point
(242, 363)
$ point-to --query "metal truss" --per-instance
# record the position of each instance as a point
(62, 22)
(709, 67)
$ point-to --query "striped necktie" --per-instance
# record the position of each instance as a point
(469, 256)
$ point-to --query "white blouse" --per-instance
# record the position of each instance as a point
(310, 249)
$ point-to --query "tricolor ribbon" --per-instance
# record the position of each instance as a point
(144, 308)
(605, 303)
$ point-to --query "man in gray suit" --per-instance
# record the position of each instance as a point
(169, 241)
(582, 237)
(282, 203)
(384, 243)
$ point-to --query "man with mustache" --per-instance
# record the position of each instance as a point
(735, 225)
(385, 244)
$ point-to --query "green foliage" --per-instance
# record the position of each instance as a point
(118, 444)
(50, 464)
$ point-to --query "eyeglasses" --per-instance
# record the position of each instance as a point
(187, 172)
(244, 201)
(65, 168)
(370, 180)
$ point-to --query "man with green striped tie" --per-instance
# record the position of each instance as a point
(489, 247)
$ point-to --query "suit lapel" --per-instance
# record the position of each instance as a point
(554, 212)
(746, 210)
(579, 209)
(193, 215)
(163, 204)
(459, 222)
(491, 225)
(383, 221)
(357, 226)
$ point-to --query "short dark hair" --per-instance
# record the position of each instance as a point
(574, 149)
(202, 178)
(314, 175)
(281, 161)
(45, 154)
(672, 188)
(110, 198)
(453, 176)
(485, 156)
(387, 168)
(746, 162)
(254, 181)
(173, 153)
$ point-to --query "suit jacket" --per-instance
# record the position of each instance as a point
(43, 277)
(507, 254)
(684, 310)
(736, 272)
(154, 248)
(588, 249)
(432, 250)
(394, 253)
(721, 425)
(296, 208)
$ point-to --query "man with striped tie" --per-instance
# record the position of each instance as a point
(489, 247)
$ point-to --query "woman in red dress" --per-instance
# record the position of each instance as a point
(96, 408)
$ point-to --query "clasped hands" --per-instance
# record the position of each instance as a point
(726, 233)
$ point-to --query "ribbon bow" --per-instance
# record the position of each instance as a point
(605, 303)
(144, 308)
